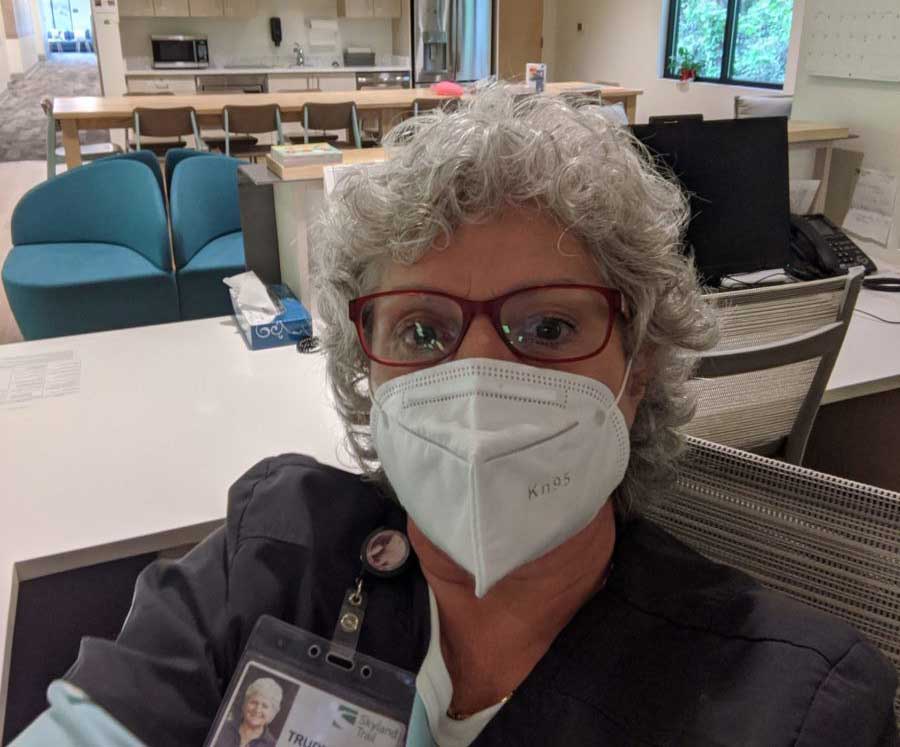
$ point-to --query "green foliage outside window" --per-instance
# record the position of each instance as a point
(756, 51)
(761, 41)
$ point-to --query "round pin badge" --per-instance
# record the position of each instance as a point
(385, 552)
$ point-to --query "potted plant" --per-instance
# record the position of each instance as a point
(685, 64)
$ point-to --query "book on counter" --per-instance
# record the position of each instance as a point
(305, 154)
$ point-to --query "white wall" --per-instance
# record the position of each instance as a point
(22, 49)
(623, 41)
(4, 59)
(869, 108)
(240, 40)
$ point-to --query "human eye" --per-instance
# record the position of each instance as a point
(423, 336)
(546, 329)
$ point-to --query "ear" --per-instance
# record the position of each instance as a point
(639, 378)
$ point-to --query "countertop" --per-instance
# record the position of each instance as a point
(291, 70)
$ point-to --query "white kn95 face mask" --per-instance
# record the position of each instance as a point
(496, 462)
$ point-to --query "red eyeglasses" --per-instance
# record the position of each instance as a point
(543, 323)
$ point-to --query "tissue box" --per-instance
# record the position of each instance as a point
(293, 322)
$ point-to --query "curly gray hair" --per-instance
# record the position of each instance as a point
(497, 151)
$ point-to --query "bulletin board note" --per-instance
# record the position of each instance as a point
(855, 40)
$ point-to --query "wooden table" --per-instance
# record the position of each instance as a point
(100, 113)
(820, 137)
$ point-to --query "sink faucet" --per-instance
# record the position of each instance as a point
(298, 50)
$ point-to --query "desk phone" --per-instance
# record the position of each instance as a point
(819, 249)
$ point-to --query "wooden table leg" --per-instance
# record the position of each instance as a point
(821, 171)
(631, 108)
(71, 145)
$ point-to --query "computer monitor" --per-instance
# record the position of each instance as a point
(735, 172)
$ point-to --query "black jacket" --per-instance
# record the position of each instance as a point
(676, 650)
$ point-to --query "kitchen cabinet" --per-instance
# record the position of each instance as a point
(134, 8)
(387, 8)
(339, 82)
(370, 8)
(286, 83)
(171, 8)
(206, 8)
(177, 84)
(355, 8)
(240, 8)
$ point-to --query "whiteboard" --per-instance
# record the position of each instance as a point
(859, 39)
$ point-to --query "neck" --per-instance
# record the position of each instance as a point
(491, 644)
(250, 732)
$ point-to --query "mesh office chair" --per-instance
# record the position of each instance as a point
(830, 543)
(760, 388)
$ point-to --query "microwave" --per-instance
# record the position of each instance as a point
(179, 51)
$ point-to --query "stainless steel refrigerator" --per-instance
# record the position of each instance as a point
(452, 40)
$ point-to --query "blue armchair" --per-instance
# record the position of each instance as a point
(174, 156)
(206, 233)
(147, 158)
(91, 252)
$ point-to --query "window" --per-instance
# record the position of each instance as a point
(743, 42)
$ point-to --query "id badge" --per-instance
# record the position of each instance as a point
(292, 688)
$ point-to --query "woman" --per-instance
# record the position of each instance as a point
(512, 376)
(261, 703)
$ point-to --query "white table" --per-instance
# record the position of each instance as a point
(869, 361)
(141, 457)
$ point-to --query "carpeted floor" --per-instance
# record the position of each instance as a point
(23, 126)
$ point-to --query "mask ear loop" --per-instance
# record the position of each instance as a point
(630, 360)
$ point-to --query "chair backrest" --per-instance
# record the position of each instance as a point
(251, 120)
(761, 387)
(830, 543)
(203, 204)
(174, 156)
(111, 202)
(165, 122)
(338, 116)
(145, 157)
(746, 107)
(664, 119)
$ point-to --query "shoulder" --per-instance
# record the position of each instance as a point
(293, 498)
(663, 576)
(738, 647)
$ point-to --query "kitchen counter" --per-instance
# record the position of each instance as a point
(291, 70)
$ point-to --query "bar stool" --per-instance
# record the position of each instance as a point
(248, 121)
(339, 116)
(167, 123)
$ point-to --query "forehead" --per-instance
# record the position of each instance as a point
(520, 247)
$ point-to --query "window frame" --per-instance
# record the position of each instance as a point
(727, 51)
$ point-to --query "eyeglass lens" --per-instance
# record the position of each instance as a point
(539, 323)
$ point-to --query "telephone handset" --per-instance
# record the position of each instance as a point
(819, 249)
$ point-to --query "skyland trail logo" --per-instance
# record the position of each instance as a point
(368, 728)
(348, 714)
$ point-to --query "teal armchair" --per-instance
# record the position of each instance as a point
(91, 252)
(207, 241)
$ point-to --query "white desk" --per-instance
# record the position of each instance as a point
(141, 458)
(869, 361)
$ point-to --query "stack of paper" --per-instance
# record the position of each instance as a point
(305, 154)
(871, 213)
